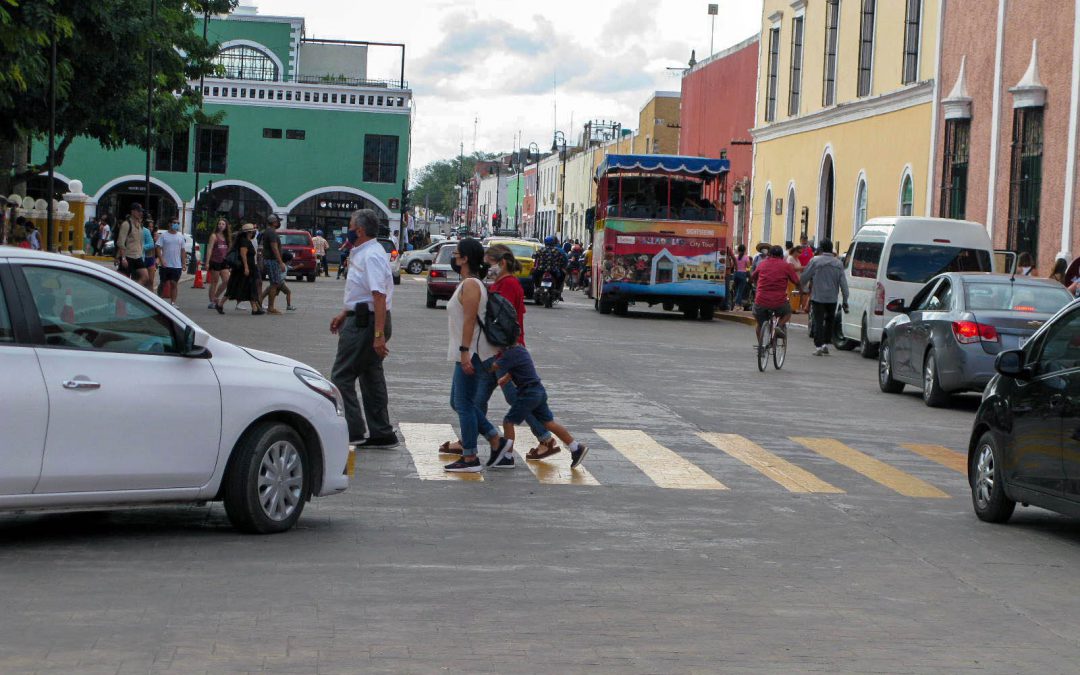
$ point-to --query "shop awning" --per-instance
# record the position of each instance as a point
(672, 164)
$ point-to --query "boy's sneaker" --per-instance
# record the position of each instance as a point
(819, 351)
(497, 452)
(576, 456)
(505, 461)
(825, 350)
(465, 466)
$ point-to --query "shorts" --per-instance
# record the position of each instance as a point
(218, 266)
(762, 313)
(151, 262)
(531, 400)
(135, 264)
(169, 274)
(275, 273)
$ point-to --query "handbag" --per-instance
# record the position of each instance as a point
(232, 259)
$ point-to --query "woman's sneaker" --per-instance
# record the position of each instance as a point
(577, 456)
(465, 466)
(505, 461)
(497, 453)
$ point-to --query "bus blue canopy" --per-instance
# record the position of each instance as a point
(673, 164)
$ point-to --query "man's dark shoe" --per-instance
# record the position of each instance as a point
(472, 465)
(379, 443)
(577, 456)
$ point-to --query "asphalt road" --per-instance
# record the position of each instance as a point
(726, 521)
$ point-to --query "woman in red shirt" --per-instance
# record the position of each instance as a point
(505, 265)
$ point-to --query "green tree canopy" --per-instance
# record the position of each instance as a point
(435, 183)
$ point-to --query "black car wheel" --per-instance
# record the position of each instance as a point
(431, 300)
(933, 395)
(987, 488)
(885, 379)
(603, 306)
(268, 481)
(621, 308)
(868, 350)
(706, 311)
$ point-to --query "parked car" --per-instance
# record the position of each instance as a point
(947, 339)
(442, 279)
(893, 258)
(84, 351)
(304, 263)
(523, 251)
(1025, 443)
(415, 262)
(395, 262)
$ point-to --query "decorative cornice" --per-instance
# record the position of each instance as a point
(863, 108)
(799, 7)
(1030, 92)
(776, 17)
(957, 105)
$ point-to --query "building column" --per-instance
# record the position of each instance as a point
(995, 120)
(76, 200)
(1070, 162)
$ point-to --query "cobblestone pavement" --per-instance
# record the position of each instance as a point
(728, 521)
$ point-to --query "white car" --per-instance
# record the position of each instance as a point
(415, 262)
(395, 260)
(111, 397)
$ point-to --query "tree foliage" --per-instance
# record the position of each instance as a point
(435, 182)
(103, 47)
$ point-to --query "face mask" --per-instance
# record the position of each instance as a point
(493, 272)
(352, 236)
(455, 266)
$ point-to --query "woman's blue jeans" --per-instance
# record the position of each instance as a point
(741, 281)
(488, 387)
(464, 390)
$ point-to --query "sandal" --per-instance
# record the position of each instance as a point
(447, 449)
(544, 450)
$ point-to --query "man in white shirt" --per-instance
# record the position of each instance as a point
(172, 258)
(363, 329)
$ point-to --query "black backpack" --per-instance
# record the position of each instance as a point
(500, 324)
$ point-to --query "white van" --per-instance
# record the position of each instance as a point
(894, 257)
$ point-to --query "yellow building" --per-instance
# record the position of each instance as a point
(658, 125)
(844, 112)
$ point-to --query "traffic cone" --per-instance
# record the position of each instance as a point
(67, 315)
(198, 277)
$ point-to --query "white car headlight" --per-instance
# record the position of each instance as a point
(321, 385)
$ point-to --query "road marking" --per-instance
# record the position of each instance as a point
(872, 468)
(957, 461)
(554, 471)
(790, 476)
(662, 466)
(423, 441)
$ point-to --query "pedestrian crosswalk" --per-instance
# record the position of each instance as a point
(635, 457)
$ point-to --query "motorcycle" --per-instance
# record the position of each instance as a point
(546, 293)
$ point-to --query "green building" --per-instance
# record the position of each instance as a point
(306, 134)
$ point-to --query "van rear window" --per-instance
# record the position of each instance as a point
(918, 263)
(867, 258)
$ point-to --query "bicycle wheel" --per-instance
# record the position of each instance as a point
(763, 347)
(779, 348)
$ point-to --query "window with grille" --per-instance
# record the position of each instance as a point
(380, 158)
(271, 133)
(774, 65)
(912, 35)
(247, 63)
(796, 65)
(212, 149)
(172, 153)
(866, 46)
(1025, 180)
(954, 173)
(907, 196)
(832, 30)
(295, 134)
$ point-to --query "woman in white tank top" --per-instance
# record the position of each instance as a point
(468, 348)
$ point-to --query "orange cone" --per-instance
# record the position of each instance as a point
(198, 277)
(67, 315)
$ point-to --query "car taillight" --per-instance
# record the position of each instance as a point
(313, 252)
(970, 332)
(434, 274)
(879, 299)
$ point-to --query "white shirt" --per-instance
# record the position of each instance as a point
(172, 247)
(369, 271)
(455, 314)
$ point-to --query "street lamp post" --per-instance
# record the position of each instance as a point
(556, 143)
(536, 186)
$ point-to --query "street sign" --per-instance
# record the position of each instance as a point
(395, 203)
(714, 9)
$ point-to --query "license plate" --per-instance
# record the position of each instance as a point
(545, 284)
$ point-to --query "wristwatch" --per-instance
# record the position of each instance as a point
(379, 334)
(463, 350)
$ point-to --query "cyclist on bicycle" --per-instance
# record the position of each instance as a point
(772, 276)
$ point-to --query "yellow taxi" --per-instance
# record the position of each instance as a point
(523, 250)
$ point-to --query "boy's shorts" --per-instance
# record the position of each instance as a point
(532, 400)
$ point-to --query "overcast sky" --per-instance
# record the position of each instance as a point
(498, 60)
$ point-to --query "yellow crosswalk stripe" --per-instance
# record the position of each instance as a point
(350, 465)
(423, 441)
(553, 471)
(872, 468)
(662, 466)
(788, 475)
(952, 459)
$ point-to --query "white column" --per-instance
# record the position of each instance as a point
(1070, 161)
(934, 110)
(995, 123)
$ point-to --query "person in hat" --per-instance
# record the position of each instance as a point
(129, 247)
(275, 266)
(242, 283)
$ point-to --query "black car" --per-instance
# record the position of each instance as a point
(1025, 445)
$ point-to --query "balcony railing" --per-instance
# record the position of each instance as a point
(342, 81)
(321, 96)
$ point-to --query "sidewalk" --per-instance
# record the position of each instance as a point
(747, 318)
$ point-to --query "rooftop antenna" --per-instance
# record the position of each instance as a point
(714, 9)
(475, 123)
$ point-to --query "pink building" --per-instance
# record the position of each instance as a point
(1005, 150)
(717, 115)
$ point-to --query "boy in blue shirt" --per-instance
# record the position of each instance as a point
(516, 364)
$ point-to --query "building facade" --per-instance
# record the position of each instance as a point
(844, 115)
(717, 115)
(1005, 151)
(305, 134)
(658, 125)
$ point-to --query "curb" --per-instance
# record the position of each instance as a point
(735, 317)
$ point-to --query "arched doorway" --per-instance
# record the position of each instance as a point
(825, 200)
(236, 203)
(789, 226)
(38, 187)
(766, 232)
(330, 212)
(117, 200)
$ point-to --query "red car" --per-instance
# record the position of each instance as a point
(303, 263)
(442, 279)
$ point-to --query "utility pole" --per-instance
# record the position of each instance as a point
(50, 222)
(150, 99)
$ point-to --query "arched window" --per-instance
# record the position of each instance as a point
(789, 230)
(247, 63)
(766, 233)
(907, 197)
(860, 204)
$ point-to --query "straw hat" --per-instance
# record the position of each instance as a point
(248, 227)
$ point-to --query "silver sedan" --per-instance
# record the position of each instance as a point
(946, 340)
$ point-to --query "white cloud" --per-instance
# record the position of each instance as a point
(496, 60)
